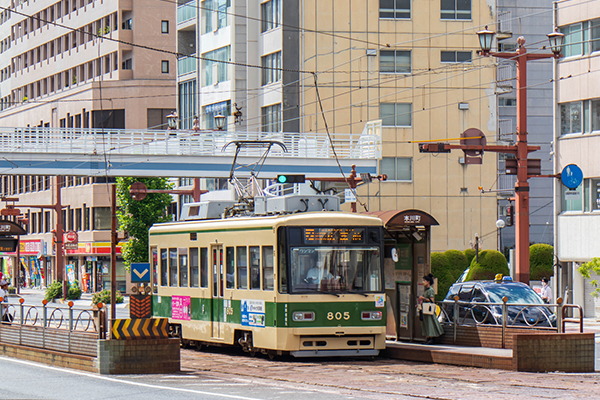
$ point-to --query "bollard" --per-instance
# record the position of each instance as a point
(559, 315)
(504, 318)
(70, 304)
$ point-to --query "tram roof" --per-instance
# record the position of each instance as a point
(319, 218)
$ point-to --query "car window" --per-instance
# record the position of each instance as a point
(515, 293)
(478, 296)
(465, 293)
(453, 291)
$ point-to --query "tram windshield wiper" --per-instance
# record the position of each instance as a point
(331, 293)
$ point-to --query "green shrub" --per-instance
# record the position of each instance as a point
(541, 261)
(440, 268)
(491, 263)
(74, 292)
(104, 297)
(458, 262)
(470, 254)
(54, 291)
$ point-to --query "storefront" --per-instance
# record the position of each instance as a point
(32, 263)
(89, 265)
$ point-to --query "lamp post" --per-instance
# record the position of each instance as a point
(220, 121)
(522, 186)
(172, 120)
(520, 150)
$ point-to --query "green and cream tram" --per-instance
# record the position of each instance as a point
(306, 284)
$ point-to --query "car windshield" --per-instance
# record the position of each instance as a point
(335, 269)
(516, 294)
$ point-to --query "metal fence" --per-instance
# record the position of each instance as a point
(53, 327)
(509, 315)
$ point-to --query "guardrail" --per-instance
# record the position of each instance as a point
(52, 327)
(507, 315)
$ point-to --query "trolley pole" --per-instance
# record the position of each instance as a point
(520, 150)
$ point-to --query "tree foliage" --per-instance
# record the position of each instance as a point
(470, 254)
(491, 262)
(589, 268)
(541, 261)
(447, 268)
(137, 216)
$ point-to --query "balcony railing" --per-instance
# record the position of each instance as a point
(186, 65)
(187, 11)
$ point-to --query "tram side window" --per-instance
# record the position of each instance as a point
(242, 267)
(267, 261)
(164, 267)
(230, 267)
(203, 267)
(173, 267)
(183, 267)
(255, 268)
(154, 263)
(194, 267)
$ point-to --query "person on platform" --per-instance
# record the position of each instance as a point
(430, 325)
(6, 317)
(546, 292)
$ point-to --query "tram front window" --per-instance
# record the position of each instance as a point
(335, 269)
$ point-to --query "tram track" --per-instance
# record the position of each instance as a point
(385, 378)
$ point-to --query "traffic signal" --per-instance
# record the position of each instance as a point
(294, 178)
(510, 215)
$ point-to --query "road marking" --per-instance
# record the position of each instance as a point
(147, 385)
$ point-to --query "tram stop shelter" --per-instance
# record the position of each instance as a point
(407, 250)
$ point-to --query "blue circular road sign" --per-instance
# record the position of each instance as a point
(571, 176)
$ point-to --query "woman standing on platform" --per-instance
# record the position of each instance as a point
(430, 325)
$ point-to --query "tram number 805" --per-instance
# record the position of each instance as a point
(338, 315)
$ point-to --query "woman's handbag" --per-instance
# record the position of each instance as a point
(428, 308)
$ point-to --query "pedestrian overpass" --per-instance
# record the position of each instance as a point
(182, 153)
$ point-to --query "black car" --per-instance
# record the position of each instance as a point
(480, 302)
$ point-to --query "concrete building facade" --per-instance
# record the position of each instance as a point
(80, 64)
(341, 64)
(577, 116)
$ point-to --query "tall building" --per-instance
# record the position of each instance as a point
(80, 64)
(577, 87)
(413, 66)
(532, 19)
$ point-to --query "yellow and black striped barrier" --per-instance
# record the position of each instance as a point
(140, 328)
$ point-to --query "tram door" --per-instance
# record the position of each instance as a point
(217, 290)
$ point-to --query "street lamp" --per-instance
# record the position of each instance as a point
(172, 120)
(220, 120)
(521, 149)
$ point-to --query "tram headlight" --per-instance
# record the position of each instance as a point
(299, 316)
(371, 315)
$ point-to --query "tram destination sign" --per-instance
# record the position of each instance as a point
(334, 235)
(8, 244)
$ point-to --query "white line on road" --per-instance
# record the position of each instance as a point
(105, 378)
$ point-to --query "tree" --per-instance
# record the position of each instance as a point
(491, 263)
(541, 261)
(137, 216)
(589, 268)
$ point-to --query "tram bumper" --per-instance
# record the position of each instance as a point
(337, 345)
(336, 353)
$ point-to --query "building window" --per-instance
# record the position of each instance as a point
(128, 64)
(164, 26)
(394, 9)
(102, 218)
(592, 194)
(127, 24)
(215, 65)
(271, 118)
(456, 57)
(507, 102)
(187, 103)
(215, 13)
(395, 114)
(456, 9)
(271, 64)
(223, 108)
(394, 61)
(581, 38)
(164, 66)
(572, 200)
(580, 117)
(396, 168)
(271, 15)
